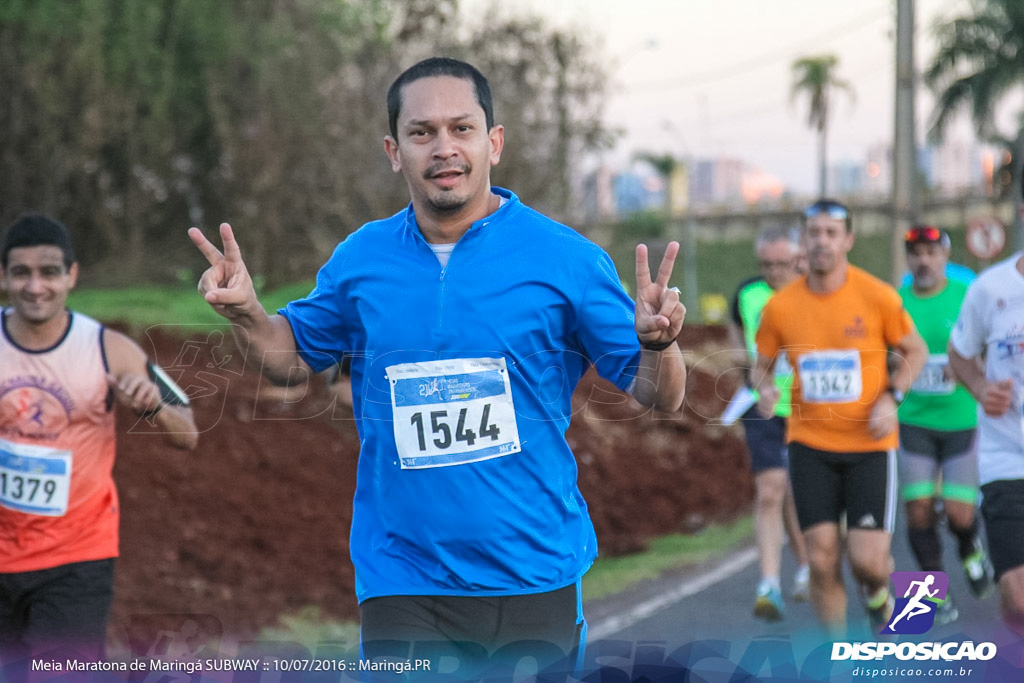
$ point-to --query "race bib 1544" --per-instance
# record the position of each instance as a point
(452, 412)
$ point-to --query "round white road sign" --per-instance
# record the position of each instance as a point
(986, 237)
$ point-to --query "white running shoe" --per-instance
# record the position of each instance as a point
(802, 584)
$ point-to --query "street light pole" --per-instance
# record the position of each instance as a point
(679, 216)
(904, 196)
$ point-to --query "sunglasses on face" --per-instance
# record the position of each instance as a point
(830, 209)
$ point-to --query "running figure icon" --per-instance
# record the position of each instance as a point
(916, 605)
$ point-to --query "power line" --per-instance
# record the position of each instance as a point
(761, 61)
(753, 110)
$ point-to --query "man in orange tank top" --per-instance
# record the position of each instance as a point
(836, 327)
(60, 374)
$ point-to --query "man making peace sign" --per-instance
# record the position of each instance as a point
(469, 318)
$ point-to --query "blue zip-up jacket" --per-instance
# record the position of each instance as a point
(462, 381)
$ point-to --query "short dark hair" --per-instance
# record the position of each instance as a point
(439, 66)
(33, 230)
(831, 208)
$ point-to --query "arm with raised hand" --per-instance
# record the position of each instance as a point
(129, 379)
(227, 287)
(661, 377)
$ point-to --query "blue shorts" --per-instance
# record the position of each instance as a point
(766, 440)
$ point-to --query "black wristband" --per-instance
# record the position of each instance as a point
(146, 414)
(896, 394)
(650, 346)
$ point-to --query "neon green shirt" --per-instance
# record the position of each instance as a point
(750, 300)
(934, 401)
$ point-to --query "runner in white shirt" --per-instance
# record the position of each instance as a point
(990, 329)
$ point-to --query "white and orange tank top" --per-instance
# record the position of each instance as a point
(58, 503)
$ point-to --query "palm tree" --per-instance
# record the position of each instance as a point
(816, 76)
(979, 61)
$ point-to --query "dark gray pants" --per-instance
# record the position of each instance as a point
(474, 638)
(63, 607)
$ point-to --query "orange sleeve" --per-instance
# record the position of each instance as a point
(767, 337)
(896, 322)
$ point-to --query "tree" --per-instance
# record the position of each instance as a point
(549, 91)
(979, 61)
(816, 77)
(131, 121)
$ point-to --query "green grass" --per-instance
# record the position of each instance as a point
(613, 574)
(721, 266)
(144, 306)
(140, 307)
(608, 576)
(309, 628)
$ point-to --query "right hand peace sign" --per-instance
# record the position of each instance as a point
(226, 284)
(659, 314)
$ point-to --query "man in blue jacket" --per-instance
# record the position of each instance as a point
(470, 319)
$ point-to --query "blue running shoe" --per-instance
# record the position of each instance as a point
(769, 605)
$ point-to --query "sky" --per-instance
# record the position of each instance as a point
(712, 78)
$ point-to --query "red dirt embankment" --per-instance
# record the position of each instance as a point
(254, 523)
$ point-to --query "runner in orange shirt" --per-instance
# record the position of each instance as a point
(60, 373)
(836, 326)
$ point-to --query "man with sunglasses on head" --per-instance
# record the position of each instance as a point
(986, 354)
(835, 327)
(938, 457)
(778, 252)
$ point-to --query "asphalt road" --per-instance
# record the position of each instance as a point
(697, 625)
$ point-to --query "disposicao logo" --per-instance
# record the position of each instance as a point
(914, 613)
(922, 592)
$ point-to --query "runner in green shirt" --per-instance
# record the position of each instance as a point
(938, 455)
(774, 513)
